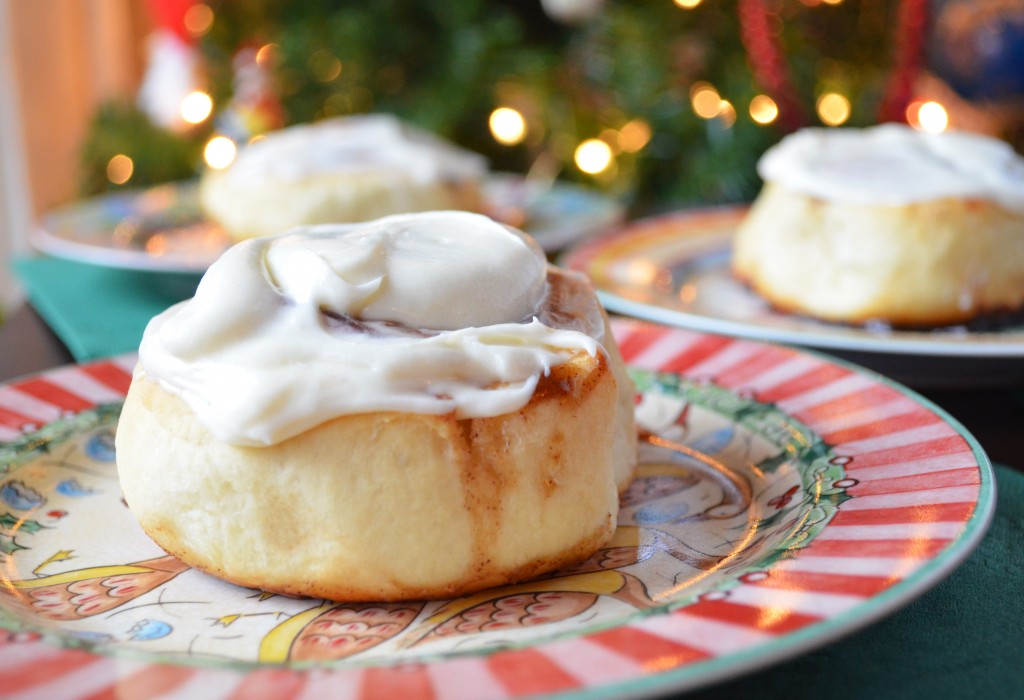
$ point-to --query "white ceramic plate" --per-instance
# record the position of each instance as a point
(674, 269)
(782, 501)
(161, 229)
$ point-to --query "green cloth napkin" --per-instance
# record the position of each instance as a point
(98, 311)
(962, 639)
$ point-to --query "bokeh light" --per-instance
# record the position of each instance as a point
(196, 107)
(220, 152)
(705, 100)
(928, 116)
(763, 109)
(634, 135)
(325, 66)
(120, 169)
(727, 113)
(507, 126)
(267, 55)
(833, 109)
(593, 156)
(198, 19)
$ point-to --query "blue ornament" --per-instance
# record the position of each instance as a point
(977, 47)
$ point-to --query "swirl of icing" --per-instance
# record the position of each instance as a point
(433, 313)
(415, 270)
(893, 165)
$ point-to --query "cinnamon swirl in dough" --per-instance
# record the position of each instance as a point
(348, 169)
(413, 407)
(887, 224)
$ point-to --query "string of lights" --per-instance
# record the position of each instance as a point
(571, 111)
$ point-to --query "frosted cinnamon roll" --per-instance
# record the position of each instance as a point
(417, 406)
(347, 169)
(887, 224)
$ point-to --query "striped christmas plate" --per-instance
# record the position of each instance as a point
(781, 501)
(675, 269)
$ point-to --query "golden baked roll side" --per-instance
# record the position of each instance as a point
(932, 263)
(624, 449)
(384, 506)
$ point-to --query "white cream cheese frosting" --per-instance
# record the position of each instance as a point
(433, 313)
(354, 144)
(893, 165)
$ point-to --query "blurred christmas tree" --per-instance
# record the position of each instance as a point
(663, 103)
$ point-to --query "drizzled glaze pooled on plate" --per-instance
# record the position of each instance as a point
(893, 165)
(431, 313)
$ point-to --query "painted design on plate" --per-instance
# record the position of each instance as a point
(725, 484)
(777, 493)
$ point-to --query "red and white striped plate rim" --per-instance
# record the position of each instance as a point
(923, 499)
